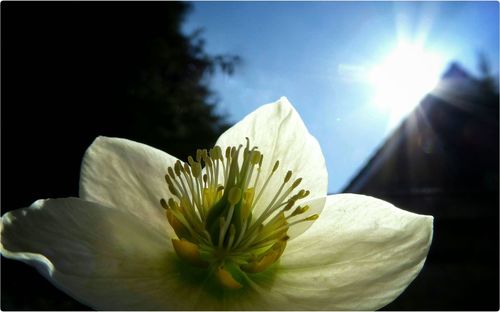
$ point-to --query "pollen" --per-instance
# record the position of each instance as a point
(221, 217)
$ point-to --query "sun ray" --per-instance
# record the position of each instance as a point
(403, 78)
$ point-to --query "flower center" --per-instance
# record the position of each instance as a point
(213, 212)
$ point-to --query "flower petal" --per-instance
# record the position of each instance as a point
(96, 254)
(110, 260)
(360, 255)
(127, 175)
(280, 134)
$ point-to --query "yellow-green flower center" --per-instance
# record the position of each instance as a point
(213, 211)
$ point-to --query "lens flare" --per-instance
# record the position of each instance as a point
(404, 77)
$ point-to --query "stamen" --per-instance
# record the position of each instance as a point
(285, 181)
(267, 212)
(222, 224)
(187, 176)
(232, 233)
(212, 209)
(226, 279)
(234, 198)
(298, 210)
(282, 198)
(276, 165)
(258, 172)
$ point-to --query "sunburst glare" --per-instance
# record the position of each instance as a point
(403, 78)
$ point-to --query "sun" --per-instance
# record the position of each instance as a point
(403, 78)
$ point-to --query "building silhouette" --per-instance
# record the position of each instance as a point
(443, 161)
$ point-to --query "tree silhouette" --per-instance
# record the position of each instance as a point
(74, 71)
(168, 100)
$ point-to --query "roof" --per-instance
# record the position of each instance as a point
(448, 143)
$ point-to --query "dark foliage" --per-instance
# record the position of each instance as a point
(74, 71)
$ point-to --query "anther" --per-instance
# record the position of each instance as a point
(299, 210)
(215, 153)
(234, 195)
(172, 204)
(171, 187)
(172, 190)
(196, 169)
(186, 168)
(218, 152)
(208, 161)
(276, 165)
(204, 155)
(171, 172)
(255, 157)
(312, 218)
(289, 205)
(189, 252)
(167, 179)
(288, 176)
(177, 168)
(198, 155)
(226, 279)
(296, 183)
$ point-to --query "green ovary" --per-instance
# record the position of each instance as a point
(213, 212)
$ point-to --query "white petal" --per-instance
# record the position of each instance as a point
(360, 255)
(96, 254)
(127, 175)
(110, 260)
(280, 134)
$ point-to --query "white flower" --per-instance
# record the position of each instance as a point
(113, 248)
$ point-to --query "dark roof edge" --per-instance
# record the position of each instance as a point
(355, 184)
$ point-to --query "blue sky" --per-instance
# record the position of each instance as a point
(321, 56)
